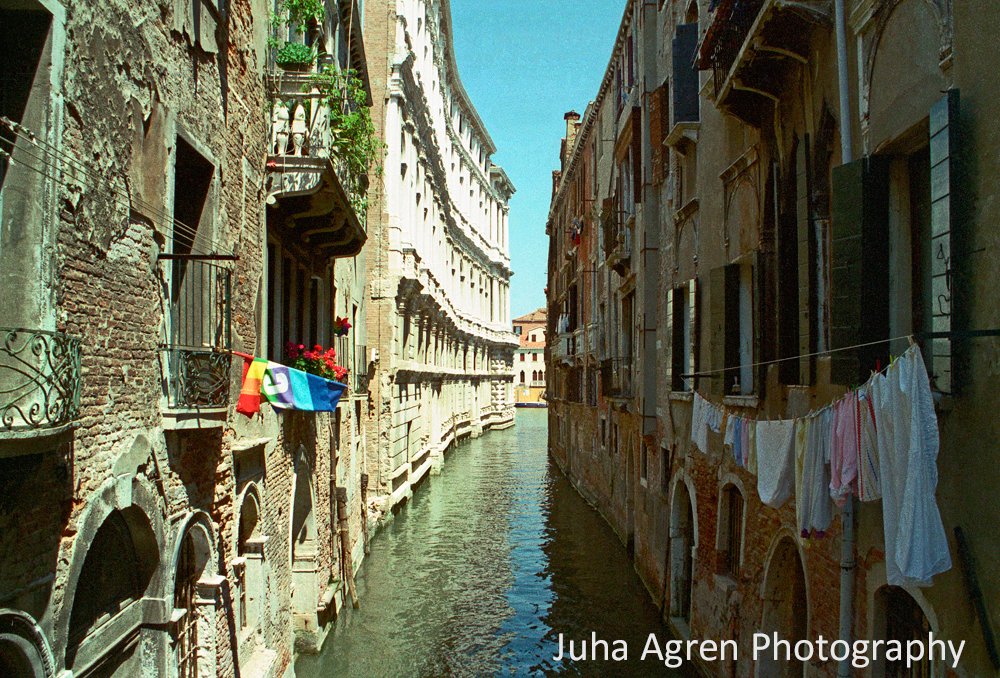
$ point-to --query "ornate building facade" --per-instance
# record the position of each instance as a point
(169, 196)
(439, 264)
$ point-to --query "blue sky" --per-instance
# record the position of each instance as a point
(524, 64)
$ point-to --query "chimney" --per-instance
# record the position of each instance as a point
(572, 125)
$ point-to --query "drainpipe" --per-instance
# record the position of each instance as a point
(847, 546)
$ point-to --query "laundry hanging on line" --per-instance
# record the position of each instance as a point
(879, 441)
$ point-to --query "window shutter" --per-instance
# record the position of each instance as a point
(943, 119)
(685, 45)
(694, 297)
(717, 327)
(637, 154)
(808, 311)
(671, 334)
(724, 310)
(859, 294)
(657, 102)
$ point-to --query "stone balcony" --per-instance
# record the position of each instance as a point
(306, 178)
(39, 382)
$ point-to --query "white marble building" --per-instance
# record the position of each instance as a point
(439, 260)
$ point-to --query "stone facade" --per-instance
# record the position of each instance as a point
(163, 203)
(701, 224)
(438, 263)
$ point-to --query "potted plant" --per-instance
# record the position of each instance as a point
(294, 56)
(319, 361)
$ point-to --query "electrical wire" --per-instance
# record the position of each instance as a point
(178, 227)
(188, 233)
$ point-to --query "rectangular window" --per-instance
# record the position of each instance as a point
(733, 324)
(682, 317)
(732, 526)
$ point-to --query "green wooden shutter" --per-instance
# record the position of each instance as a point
(670, 333)
(717, 328)
(694, 299)
(685, 72)
(859, 294)
(943, 119)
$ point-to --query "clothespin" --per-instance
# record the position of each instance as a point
(910, 338)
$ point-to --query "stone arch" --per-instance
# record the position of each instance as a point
(195, 580)
(878, 593)
(683, 545)
(249, 567)
(198, 526)
(786, 603)
(117, 571)
(894, 99)
(24, 650)
(138, 501)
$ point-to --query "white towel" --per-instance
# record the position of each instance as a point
(916, 547)
(699, 423)
(775, 465)
(814, 509)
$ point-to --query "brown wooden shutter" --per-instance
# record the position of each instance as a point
(637, 154)
(808, 311)
(859, 294)
(685, 45)
(943, 138)
(656, 132)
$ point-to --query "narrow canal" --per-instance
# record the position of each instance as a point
(483, 569)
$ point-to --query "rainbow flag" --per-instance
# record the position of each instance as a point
(285, 388)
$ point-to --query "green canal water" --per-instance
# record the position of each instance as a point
(483, 569)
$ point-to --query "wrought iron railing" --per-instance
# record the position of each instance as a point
(731, 35)
(200, 330)
(39, 379)
(360, 369)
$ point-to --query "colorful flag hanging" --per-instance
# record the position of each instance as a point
(285, 388)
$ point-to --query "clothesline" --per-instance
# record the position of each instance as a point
(720, 370)
(879, 441)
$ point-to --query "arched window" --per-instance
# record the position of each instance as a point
(119, 565)
(682, 543)
(522, 376)
(249, 565)
(194, 556)
(899, 617)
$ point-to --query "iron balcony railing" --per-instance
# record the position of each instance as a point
(360, 369)
(39, 379)
(199, 333)
(732, 33)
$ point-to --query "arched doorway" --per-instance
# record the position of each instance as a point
(682, 543)
(898, 616)
(194, 561)
(786, 608)
(117, 570)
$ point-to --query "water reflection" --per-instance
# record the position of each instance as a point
(486, 566)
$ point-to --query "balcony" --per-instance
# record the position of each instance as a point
(619, 244)
(313, 186)
(618, 378)
(750, 46)
(39, 381)
(197, 359)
